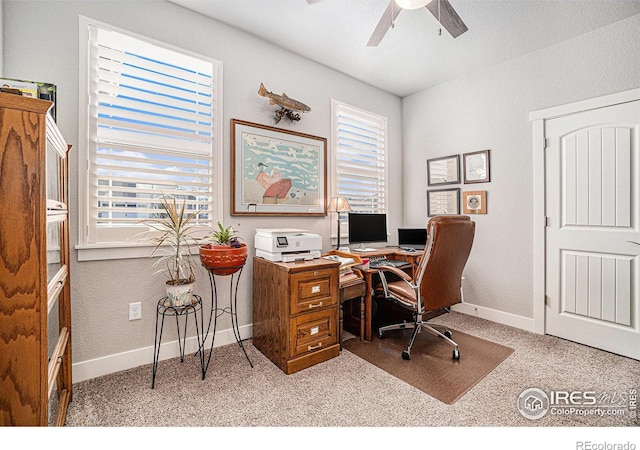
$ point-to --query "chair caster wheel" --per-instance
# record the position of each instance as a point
(456, 354)
(448, 333)
(381, 335)
(406, 355)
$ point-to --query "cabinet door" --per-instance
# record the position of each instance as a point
(54, 248)
(57, 244)
(56, 152)
(57, 278)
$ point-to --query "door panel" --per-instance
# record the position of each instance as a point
(592, 207)
(597, 286)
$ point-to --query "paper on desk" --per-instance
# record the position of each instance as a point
(343, 261)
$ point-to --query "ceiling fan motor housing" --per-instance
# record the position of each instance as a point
(412, 4)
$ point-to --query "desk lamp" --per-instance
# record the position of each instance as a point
(339, 205)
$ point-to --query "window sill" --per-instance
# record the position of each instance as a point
(102, 252)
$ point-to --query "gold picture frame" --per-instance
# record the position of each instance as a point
(277, 172)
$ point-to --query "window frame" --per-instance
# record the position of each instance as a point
(140, 248)
(336, 106)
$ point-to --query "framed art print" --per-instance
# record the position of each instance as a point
(277, 172)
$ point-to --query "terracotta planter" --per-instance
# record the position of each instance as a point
(223, 260)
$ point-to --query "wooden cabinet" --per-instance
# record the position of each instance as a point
(295, 312)
(35, 312)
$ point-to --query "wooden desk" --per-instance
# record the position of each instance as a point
(355, 289)
(390, 253)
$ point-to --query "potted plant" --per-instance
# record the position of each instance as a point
(174, 242)
(225, 255)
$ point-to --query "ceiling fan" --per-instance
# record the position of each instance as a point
(441, 9)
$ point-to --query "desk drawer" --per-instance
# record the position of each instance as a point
(314, 331)
(313, 290)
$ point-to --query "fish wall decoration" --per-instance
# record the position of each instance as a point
(288, 106)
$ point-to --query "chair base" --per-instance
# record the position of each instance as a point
(417, 327)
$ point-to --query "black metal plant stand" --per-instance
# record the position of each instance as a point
(177, 312)
(217, 312)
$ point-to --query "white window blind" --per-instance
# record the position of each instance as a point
(360, 145)
(152, 124)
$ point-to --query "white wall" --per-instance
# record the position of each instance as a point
(1, 38)
(41, 43)
(490, 110)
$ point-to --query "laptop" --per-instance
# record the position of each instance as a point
(412, 238)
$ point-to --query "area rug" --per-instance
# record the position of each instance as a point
(431, 367)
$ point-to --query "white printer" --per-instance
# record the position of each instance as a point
(287, 244)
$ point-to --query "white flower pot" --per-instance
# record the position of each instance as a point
(179, 294)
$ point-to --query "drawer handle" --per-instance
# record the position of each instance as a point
(315, 305)
(314, 347)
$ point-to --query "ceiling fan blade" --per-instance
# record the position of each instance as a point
(311, 2)
(447, 16)
(386, 21)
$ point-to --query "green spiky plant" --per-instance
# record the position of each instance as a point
(224, 236)
(176, 227)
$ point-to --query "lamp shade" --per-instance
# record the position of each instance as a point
(412, 4)
(338, 204)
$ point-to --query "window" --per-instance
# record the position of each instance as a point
(153, 116)
(359, 156)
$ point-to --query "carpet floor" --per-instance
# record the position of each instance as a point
(347, 391)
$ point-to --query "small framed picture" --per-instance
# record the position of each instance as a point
(474, 202)
(443, 202)
(445, 170)
(477, 168)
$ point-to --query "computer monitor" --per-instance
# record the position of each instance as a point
(367, 227)
(415, 238)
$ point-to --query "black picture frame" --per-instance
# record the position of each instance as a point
(443, 202)
(477, 167)
(443, 170)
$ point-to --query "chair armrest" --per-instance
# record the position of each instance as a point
(401, 273)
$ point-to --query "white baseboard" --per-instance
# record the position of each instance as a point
(524, 323)
(98, 367)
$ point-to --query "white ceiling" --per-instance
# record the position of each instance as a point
(413, 56)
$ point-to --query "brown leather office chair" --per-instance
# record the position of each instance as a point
(438, 279)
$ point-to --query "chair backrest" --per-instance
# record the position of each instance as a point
(439, 274)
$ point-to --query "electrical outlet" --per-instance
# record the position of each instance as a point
(135, 311)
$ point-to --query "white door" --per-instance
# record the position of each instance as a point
(593, 230)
